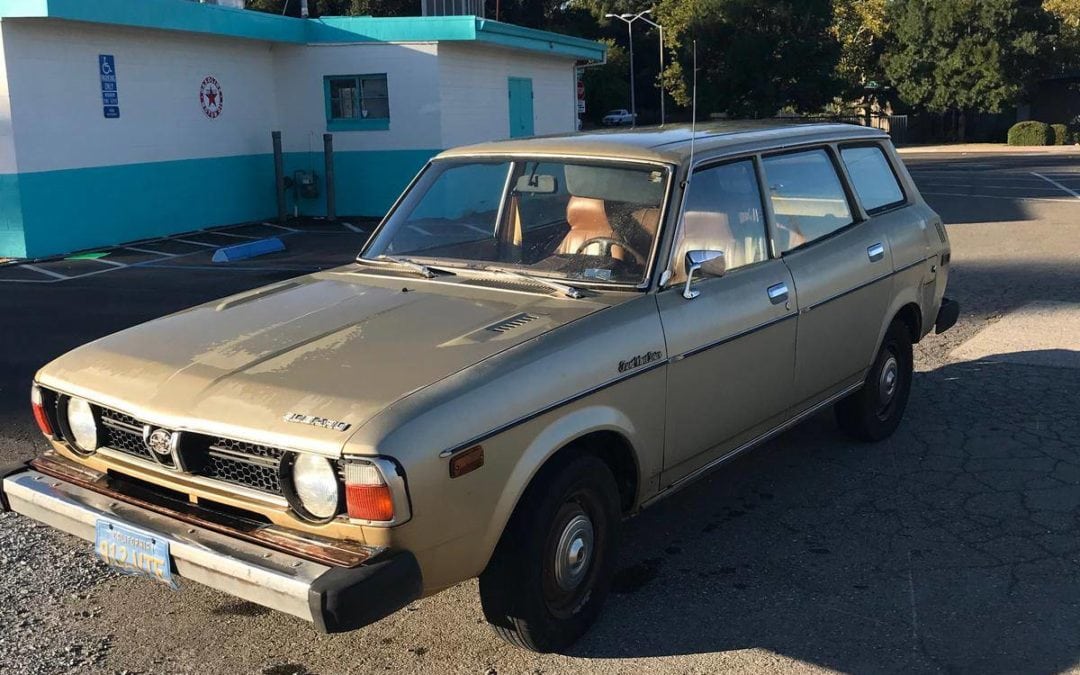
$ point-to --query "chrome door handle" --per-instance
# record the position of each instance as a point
(876, 252)
(778, 293)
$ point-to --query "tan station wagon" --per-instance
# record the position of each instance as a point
(542, 337)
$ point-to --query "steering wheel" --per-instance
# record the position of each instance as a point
(610, 243)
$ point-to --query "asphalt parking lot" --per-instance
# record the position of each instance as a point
(951, 547)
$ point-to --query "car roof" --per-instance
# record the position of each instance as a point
(670, 143)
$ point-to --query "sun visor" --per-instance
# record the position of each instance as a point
(633, 186)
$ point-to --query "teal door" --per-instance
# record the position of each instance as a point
(521, 107)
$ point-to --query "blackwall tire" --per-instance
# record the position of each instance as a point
(552, 569)
(874, 412)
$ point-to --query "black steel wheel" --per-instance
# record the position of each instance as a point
(552, 569)
(874, 412)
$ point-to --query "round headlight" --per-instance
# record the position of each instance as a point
(316, 486)
(83, 426)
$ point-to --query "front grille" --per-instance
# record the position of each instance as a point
(225, 459)
(123, 433)
(244, 464)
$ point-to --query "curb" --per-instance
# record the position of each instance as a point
(249, 249)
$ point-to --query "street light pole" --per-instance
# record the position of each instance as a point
(661, 76)
(629, 20)
(633, 102)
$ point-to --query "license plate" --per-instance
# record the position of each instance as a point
(134, 552)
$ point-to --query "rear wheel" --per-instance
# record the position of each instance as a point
(552, 569)
(874, 412)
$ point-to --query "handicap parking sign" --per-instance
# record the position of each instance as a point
(110, 100)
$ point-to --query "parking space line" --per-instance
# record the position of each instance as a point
(197, 243)
(281, 227)
(354, 228)
(230, 234)
(224, 268)
(1055, 183)
(42, 270)
(146, 250)
(421, 230)
(103, 261)
(996, 187)
(1060, 200)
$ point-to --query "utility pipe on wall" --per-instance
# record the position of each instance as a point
(279, 177)
(328, 155)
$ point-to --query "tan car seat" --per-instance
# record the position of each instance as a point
(588, 219)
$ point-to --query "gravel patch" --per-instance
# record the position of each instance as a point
(44, 572)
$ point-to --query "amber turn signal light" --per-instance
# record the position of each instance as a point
(37, 402)
(470, 460)
(367, 496)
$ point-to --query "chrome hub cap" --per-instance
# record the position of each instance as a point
(573, 552)
(887, 381)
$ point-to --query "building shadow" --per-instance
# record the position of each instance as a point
(950, 546)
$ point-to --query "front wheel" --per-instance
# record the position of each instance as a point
(874, 412)
(552, 569)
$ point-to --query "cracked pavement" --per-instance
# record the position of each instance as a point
(951, 547)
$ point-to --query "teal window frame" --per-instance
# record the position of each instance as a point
(355, 123)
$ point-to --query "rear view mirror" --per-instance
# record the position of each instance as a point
(709, 262)
(537, 184)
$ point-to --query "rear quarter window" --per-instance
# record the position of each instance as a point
(872, 177)
(807, 197)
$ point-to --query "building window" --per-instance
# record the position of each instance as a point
(355, 102)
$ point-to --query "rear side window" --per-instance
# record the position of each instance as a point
(807, 197)
(872, 177)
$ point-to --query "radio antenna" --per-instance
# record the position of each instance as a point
(693, 115)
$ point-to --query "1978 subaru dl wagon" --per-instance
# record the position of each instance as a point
(542, 337)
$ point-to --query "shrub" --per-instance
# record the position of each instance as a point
(1061, 134)
(1030, 133)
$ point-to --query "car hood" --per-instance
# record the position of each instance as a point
(340, 346)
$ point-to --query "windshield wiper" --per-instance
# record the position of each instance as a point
(426, 271)
(565, 289)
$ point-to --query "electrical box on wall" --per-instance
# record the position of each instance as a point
(306, 184)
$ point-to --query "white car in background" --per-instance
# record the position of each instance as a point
(618, 117)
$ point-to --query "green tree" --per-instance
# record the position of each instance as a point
(859, 26)
(754, 57)
(963, 56)
(1067, 12)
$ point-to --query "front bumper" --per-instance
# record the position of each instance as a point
(334, 598)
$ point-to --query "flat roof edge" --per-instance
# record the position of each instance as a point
(194, 17)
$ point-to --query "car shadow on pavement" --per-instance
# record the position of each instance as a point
(950, 546)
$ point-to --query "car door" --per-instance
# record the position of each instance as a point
(841, 268)
(732, 346)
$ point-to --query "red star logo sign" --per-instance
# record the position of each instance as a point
(211, 97)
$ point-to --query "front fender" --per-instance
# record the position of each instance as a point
(557, 434)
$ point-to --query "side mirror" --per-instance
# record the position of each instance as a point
(710, 262)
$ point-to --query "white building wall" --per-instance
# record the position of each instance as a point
(411, 80)
(8, 161)
(52, 69)
(474, 92)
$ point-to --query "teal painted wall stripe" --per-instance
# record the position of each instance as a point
(75, 209)
(368, 182)
(12, 239)
(52, 212)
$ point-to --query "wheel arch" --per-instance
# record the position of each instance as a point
(599, 430)
(911, 316)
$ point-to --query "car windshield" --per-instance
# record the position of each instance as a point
(585, 222)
